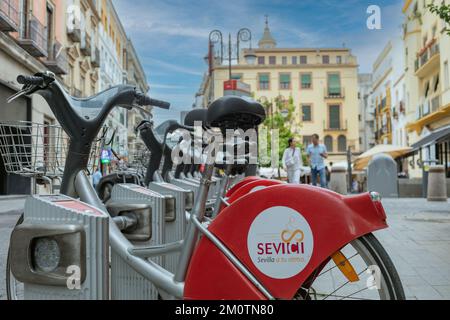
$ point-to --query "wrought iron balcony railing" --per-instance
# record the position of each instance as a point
(57, 59)
(334, 93)
(34, 38)
(9, 15)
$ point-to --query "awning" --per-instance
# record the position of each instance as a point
(433, 137)
(394, 151)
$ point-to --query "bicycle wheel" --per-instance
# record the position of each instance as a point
(14, 289)
(362, 270)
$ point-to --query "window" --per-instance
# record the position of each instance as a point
(427, 89)
(328, 141)
(326, 59)
(339, 59)
(294, 60)
(306, 113)
(436, 84)
(342, 144)
(284, 60)
(307, 140)
(334, 117)
(272, 60)
(303, 60)
(236, 76)
(264, 82)
(446, 75)
(334, 84)
(306, 81)
(261, 60)
(285, 81)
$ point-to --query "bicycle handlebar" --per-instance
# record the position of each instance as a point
(145, 100)
(30, 80)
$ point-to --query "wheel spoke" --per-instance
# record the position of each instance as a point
(340, 287)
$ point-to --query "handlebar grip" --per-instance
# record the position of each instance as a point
(144, 100)
(30, 80)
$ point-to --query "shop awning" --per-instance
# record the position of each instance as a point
(433, 137)
(394, 151)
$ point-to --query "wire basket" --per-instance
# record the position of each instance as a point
(35, 149)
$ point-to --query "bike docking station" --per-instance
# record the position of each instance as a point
(126, 283)
(175, 226)
(61, 250)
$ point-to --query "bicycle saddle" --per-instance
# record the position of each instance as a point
(197, 115)
(232, 112)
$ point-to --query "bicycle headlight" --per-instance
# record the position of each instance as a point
(46, 254)
(189, 200)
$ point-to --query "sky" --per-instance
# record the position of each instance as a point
(171, 36)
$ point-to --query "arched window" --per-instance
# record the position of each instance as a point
(329, 143)
(342, 144)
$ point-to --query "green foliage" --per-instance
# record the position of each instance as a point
(276, 120)
(443, 11)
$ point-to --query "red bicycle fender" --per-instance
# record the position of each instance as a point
(333, 222)
(240, 184)
(250, 187)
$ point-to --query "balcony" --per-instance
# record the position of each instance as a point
(428, 60)
(334, 93)
(57, 61)
(335, 128)
(430, 106)
(74, 30)
(85, 45)
(34, 39)
(9, 15)
(95, 58)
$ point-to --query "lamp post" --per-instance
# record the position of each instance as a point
(216, 38)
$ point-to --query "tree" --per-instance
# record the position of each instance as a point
(443, 11)
(276, 119)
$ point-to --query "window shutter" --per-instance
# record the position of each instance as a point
(334, 84)
(335, 117)
(285, 78)
(306, 79)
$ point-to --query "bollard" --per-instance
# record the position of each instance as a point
(437, 184)
(338, 181)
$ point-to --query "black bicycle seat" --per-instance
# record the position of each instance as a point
(197, 115)
(232, 112)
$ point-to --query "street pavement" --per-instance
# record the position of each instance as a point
(418, 241)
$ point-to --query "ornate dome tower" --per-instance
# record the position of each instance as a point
(267, 41)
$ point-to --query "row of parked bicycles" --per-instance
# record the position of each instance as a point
(175, 231)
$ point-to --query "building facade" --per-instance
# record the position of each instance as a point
(322, 83)
(32, 34)
(427, 54)
(366, 113)
(388, 93)
(136, 77)
(65, 37)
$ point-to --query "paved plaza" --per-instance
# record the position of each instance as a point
(418, 242)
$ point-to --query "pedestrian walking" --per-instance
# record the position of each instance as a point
(293, 162)
(96, 177)
(317, 153)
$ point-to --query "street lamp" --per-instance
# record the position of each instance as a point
(243, 35)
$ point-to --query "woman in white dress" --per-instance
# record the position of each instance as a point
(292, 161)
